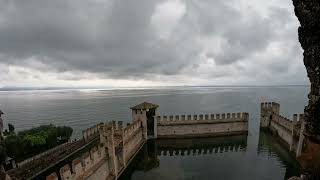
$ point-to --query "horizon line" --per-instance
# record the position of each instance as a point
(16, 88)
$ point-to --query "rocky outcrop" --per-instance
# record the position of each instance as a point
(310, 159)
(308, 13)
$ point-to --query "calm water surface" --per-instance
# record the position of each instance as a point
(256, 156)
(229, 158)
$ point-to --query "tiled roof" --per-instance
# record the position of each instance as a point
(144, 105)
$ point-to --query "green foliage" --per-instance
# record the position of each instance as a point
(3, 154)
(36, 140)
(13, 146)
(64, 133)
(11, 128)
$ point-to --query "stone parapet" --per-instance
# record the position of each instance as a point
(202, 118)
(289, 131)
(202, 125)
(130, 130)
(91, 132)
(80, 166)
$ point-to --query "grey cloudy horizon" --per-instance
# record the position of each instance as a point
(98, 43)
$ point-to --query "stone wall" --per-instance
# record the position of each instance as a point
(118, 146)
(81, 167)
(280, 126)
(267, 110)
(289, 131)
(132, 139)
(91, 132)
(141, 115)
(38, 156)
(202, 125)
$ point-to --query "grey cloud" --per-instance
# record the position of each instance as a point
(115, 38)
(243, 35)
(120, 44)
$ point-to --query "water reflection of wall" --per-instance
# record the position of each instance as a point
(148, 157)
(145, 160)
(157, 154)
(170, 147)
(272, 148)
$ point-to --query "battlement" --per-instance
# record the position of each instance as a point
(117, 145)
(174, 126)
(289, 131)
(91, 132)
(269, 104)
(298, 117)
(270, 112)
(283, 121)
(80, 167)
(270, 107)
(202, 118)
(131, 130)
(117, 127)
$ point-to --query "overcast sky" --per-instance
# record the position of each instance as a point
(101, 43)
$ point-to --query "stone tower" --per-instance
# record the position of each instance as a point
(146, 112)
(267, 110)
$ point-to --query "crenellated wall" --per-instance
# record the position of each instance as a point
(121, 145)
(140, 115)
(116, 145)
(283, 121)
(39, 156)
(91, 132)
(289, 131)
(81, 167)
(130, 130)
(202, 125)
(267, 110)
(133, 138)
(283, 128)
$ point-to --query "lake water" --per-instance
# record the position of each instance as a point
(259, 156)
(227, 158)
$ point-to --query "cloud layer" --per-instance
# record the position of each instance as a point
(148, 42)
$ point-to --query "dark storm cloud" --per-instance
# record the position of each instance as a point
(116, 39)
(120, 42)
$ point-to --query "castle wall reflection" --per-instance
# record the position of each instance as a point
(229, 158)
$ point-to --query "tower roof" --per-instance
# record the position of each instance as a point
(144, 105)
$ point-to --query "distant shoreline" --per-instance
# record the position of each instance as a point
(145, 87)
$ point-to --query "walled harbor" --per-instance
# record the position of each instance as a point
(110, 147)
(106, 150)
